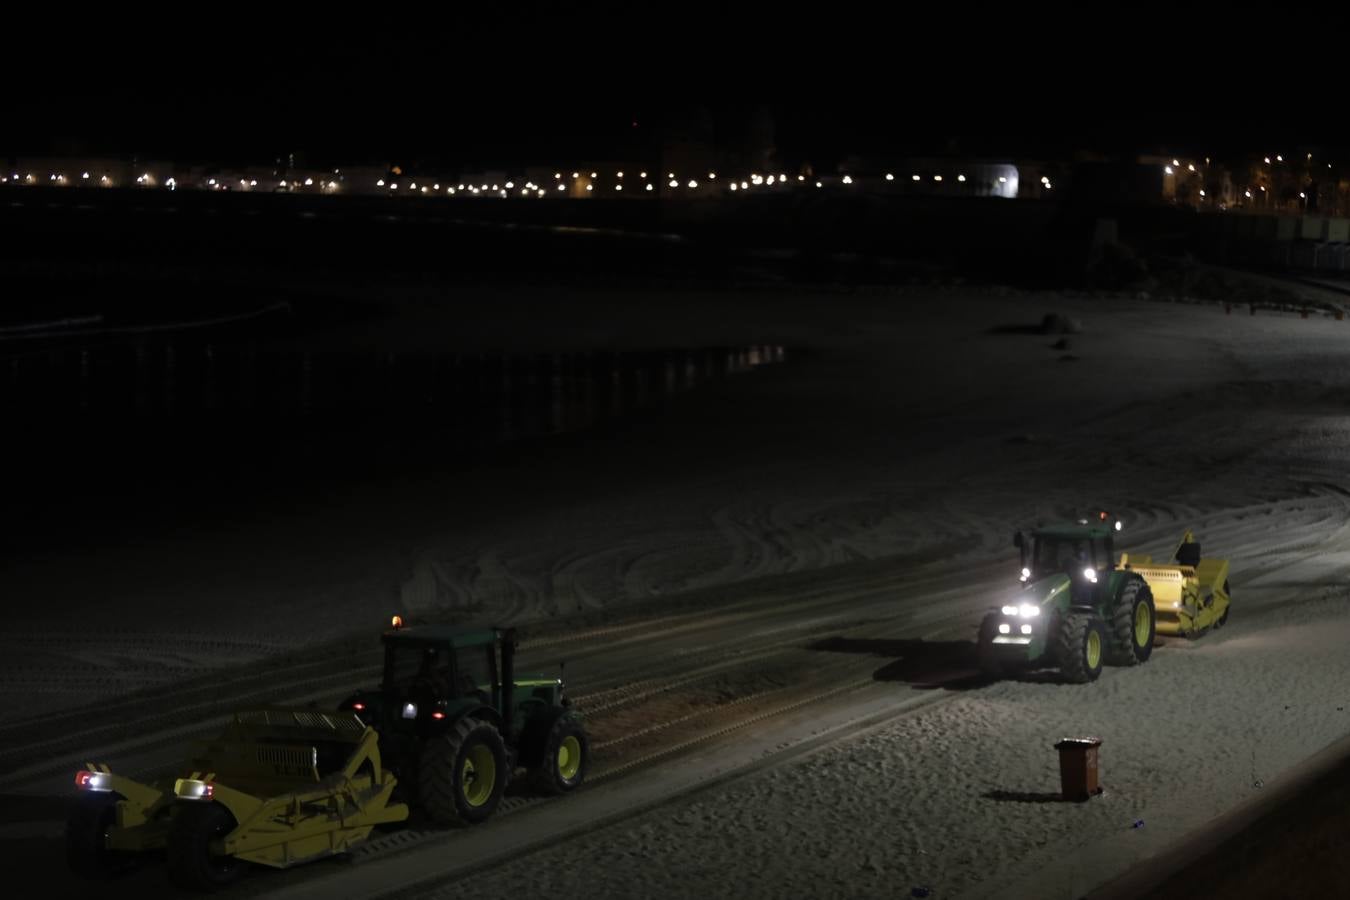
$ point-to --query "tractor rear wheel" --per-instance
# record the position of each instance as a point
(462, 773)
(1080, 644)
(87, 827)
(990, 664)
(566, 756)
(1133, 625)
(192, 862)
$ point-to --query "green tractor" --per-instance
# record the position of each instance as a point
(1077, 610)
(455, 722)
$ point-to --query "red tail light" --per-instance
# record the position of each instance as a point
(358, 706)
(438, 715)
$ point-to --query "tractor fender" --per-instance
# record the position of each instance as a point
(535, 733)
(1117, 579)
(481, 712)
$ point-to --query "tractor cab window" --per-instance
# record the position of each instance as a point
(475, 669)
(477, 672)
(405, 665)
(1055, 554)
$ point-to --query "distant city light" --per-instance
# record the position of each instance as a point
(590, 187)
(1190, 167)
(1302, 196)
(674, 183)
(712, 176)
(937, 177)
(1279, 158)
(576, 174)
(801, 177)
(85, 175)
(848, 179)
(642, 174)
(1267, 160)
(1002, 179)
(649, 187)
(960, 178)
(562, 187)
(1248, 193)
(593, 175)
(1175, 163)
(557, 175)
(510, 185)
(890, 177)
(620, 174)
(309, 182)
(618, 187)
(734, 186)
(915, 178)
(744, 186)
(1167, 169)
(693, 183)
(770, 180)
(435, 187)
(818, 184)
(1202, 193)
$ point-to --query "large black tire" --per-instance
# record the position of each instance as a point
(87, 825)
(1079, 662)
(565, 757)
(462, 773)
(192, 864)
(1127, 646)
(985, 651)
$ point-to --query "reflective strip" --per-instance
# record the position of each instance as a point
(1012, 639)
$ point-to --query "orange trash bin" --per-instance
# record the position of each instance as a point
(1078, 768)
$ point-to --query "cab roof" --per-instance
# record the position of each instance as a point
(441, 635)
(1076, 530)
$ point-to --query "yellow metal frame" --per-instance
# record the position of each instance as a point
(320, 816)
(1188, 600)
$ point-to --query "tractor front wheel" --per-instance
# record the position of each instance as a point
(462, 773)
(87, 827)
(193, 863)
(566, 755)
(1079, 646)
(1133, 625)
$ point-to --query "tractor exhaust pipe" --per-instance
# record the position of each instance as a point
(508, 681)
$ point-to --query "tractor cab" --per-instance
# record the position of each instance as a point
(434, 674)
(1079, 550)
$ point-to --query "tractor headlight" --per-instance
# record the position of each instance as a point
(1090, 574)
(1029, 611)
(1010, 610)
(1026, 573)
(410, 710)
(1005, 628)
(1026, 629)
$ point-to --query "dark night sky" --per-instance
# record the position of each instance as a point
(523, 90)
